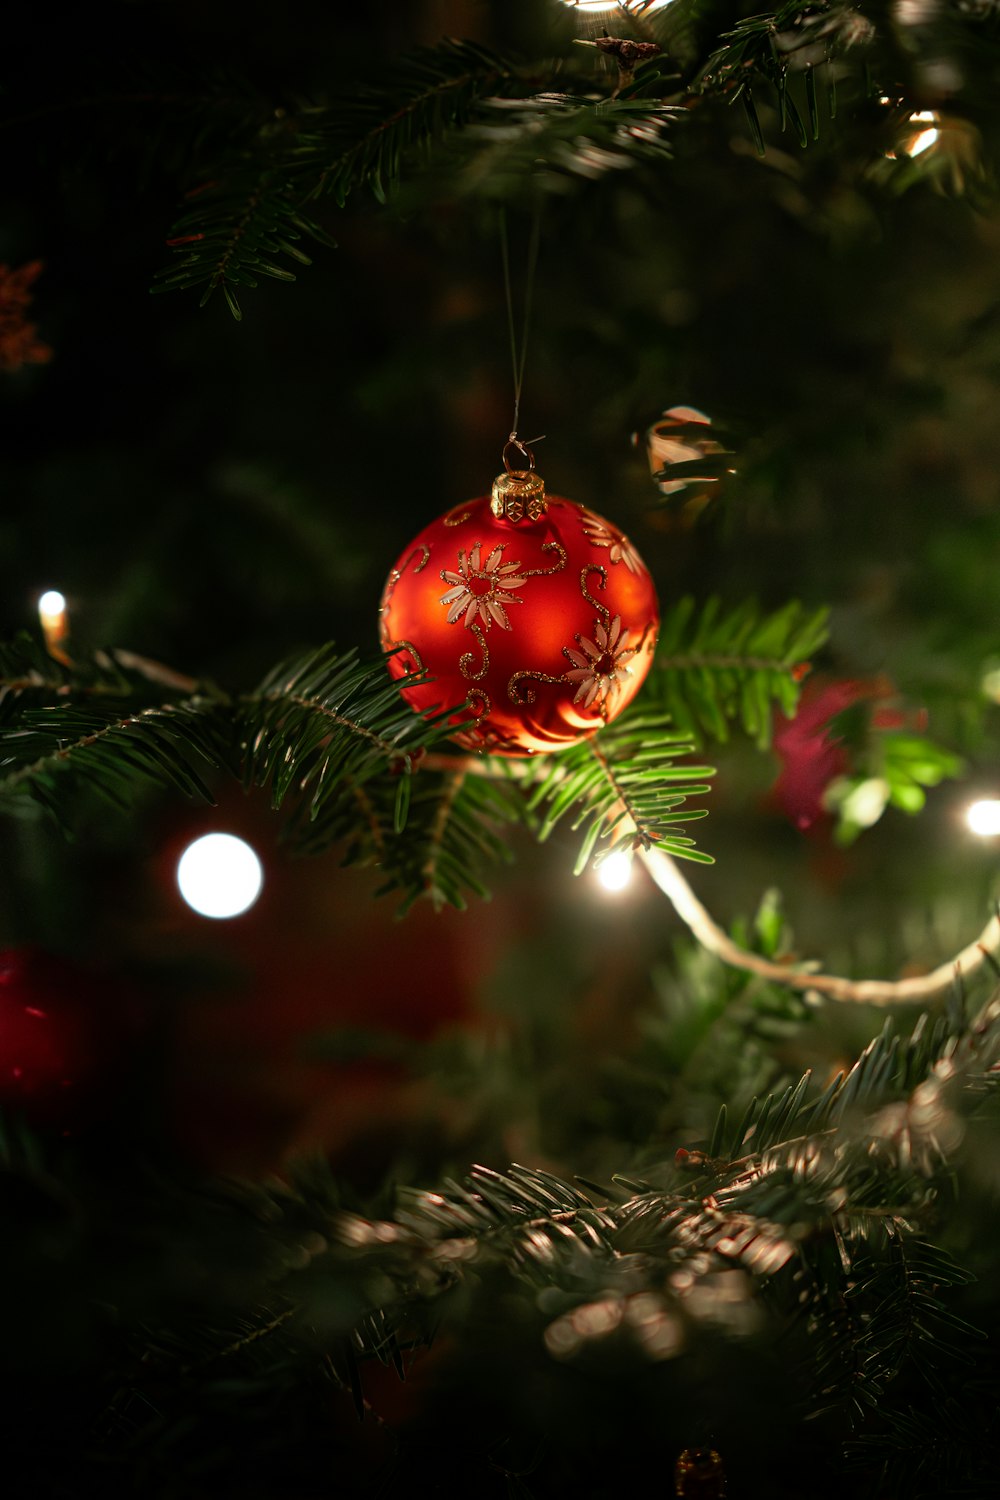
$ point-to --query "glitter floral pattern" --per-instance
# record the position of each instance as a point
(619, 547)
(600, 664)
(481, 591)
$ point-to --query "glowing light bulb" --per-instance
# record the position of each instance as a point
(219, 875)
(52, 603)
(983, 817)
(615, 872)
(603, 7)
(55, 623)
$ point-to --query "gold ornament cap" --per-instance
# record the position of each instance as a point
(518, 493)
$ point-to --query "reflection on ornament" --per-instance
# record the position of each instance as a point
(923, 132)
(699, 1474)
(983, 817)
(684, 458)
(535, 618)
(219, 875)
(950, 148)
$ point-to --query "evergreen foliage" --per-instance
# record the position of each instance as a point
(893, 773)
(106, 725)
(624, 788)
(250, 207)
(334, 735)
(742, 1218)
(714, 666)
(326, 723)
(814, 1219)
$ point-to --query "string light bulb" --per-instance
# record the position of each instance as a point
(219, 875)
(615, 872)
(51, 604)
(605, 7)
(54, 619)
(983, 817)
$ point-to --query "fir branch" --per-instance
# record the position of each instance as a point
(453, 838)
(783, 50)
(625, 789)
(119, 753)
(554, 140)
(725, 1031)
(802, 1218)
(439, 828)
(241, 221)
(327, 714)
(240, 1344)
(248, 210)
(796, 1191)
(713, 667)
(907, 1321)
(27, 668)
(366, 137)
(948, 1447)
(330, 731)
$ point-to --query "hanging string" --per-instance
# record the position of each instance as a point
(518, 357)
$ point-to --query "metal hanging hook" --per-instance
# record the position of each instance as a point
(515, 444)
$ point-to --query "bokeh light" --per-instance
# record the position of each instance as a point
(219, 875)
(615, 872)
(52, 604)
(604, 7)
(983, 817)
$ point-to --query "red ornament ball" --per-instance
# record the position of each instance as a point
(54, 1048)
(536, 618)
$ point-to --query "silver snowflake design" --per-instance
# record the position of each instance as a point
(481, 591)
(600, 664)
(619, 547)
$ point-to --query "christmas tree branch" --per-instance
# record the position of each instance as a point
(672, 883)
(667, 876)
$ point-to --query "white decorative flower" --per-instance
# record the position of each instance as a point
(481, 591)
(599, 665)
(619, 547)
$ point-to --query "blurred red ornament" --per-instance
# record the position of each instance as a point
(56, 1040)
(19, 341)
(535, 617)
(811, 757)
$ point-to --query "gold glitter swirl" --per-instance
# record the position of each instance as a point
(477, 695)
(521, 696)
(602, 609)
(390, 589)
(467, 660)
(453, 520)
(418, 660)
(547, 572)
(423, 561)
(647, 641)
